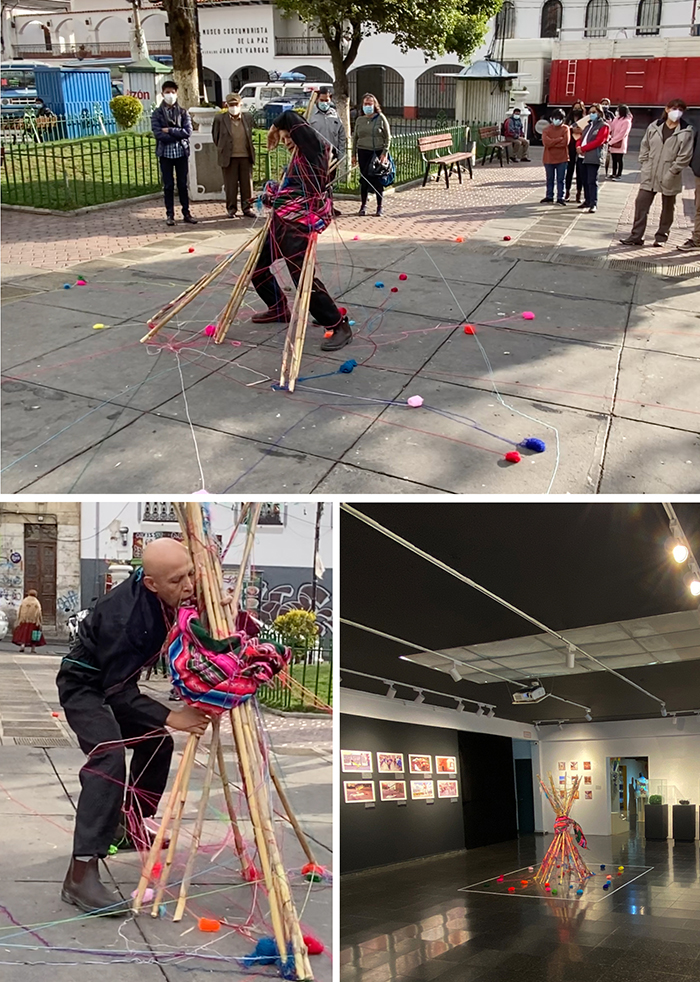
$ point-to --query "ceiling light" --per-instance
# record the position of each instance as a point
(679, 551)
(588, 717)
(491, 713)
(419, 698)
(536, 693)
(664, 711)
(391, 691)
(479, 710)
(694, 586)
(571, 656)
(455, 673)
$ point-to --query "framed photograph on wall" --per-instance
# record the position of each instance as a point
(587, 779)
(448, 789)
(389, 763)
(358, 791)
(420, 763)
(357, 761)
(562, 765)
(562, 780)
(422, 789)
(588, 795)
(445, 765)
(574, 765)
(586, 765)
(392, 790)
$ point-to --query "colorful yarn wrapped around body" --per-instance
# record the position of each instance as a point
(219, 675)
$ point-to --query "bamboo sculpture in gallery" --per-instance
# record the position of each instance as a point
(211, 629)
(563, 858)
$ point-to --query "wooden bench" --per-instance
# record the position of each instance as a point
(429, 147)
(492, 141)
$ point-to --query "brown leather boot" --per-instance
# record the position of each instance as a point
(83, 888)
(337, 337)
(273, 315)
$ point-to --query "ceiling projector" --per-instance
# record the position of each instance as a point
(535, 693)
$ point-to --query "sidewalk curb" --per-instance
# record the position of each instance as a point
(82, 211)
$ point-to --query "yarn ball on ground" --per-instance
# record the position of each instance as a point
(313, 945)
(313, 872)
(403, 276)
(394, 289)
(539, 446)
(264, 953)
(469, 329)
(530, 869)
(513, 457)
(500, 879)
(208, 924)
(579, 892)
(511, 889)
(348, 366)
(415, 401)
(523, 883)
(191, 249)
(66, 286)
(147, 896)
(528, 315)
(620, 868)
(606, 885)
(55, 714)
(81, 282)
(602, 865)
(506, 238)
(351, 323)
(355, 238)
(459, 239)
(379, 284)
(554, 889)
(343, 311)
(210, 330)
(99, 327)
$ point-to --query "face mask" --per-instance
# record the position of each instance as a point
(557, 122)
(516, 115)
(368, 110)
(593, 117)
(235, 110)
(675, 115)
(323, 106)
(170, 98)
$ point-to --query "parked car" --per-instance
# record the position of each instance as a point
(255, 95)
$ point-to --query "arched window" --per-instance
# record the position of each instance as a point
(505, 21)
(597, 19)
(550, 25)
(648, 16)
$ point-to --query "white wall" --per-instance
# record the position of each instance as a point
(673, 752)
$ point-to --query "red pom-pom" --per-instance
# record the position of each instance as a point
(403, 276)
(157, 870)
(506, 238)
(313, 872)
(511, 889)
(191, 249)
(313, 945)
(459, 239)
(513, 457)
(342, 311)
(469, 329)
(250, 874)
(55, 714)
(394, 289)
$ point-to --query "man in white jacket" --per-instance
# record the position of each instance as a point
(667, 147)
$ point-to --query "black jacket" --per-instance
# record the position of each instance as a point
(178, 124)
(121, 636)
(695, 162)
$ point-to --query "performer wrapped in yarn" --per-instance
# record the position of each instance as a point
(301, 205)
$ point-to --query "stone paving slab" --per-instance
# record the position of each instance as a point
(111, 304)
(679, 293)
(645, 459)
(563, 281)
(661, 328)
(420, 295)
(660, 388)
(345, 479)
(454, 262)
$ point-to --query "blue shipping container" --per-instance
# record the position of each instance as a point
(73, 92)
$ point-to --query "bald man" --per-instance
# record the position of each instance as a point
(98, 690)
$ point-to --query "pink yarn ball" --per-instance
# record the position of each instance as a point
(403, 276)
(415, 401)
(147, 897)
(80, 283)
(210, 330)
(528, 315)
(355, 238)
(201, 494)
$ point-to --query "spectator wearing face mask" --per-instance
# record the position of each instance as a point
(619, 135)
(513, 130)
(575, 120)
(172, 128)
(371, 140)
(232, 133)
(667, 147)
(607, 108)
(590, 150)
(327, 123)
(555, 139)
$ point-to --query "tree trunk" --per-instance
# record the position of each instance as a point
(341, 96)
(183, 41)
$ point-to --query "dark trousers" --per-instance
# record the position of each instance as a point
(574, 167)
(590, 184)
(617, 159)
(172, 168)
(641, 213)
(238, 174)
(368, 182)
(100, 725)
(558, 172)
(284, 240)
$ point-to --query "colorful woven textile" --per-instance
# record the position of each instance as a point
(219, 675)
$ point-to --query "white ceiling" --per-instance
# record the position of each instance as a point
(656, 640)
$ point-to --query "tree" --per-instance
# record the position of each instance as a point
(182, 18)
(435, 26)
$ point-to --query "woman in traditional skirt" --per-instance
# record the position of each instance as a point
(28, 624)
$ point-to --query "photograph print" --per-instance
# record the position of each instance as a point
(358, 791)
(447, 789)
(392, 790)
(446, 765)
(420, 763)
(389, 763)
(422, 789)
(359, 761)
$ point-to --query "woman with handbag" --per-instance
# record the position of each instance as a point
(28, 624)
(371, 142)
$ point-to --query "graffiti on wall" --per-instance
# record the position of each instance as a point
(270, 602)
(11, 581)
(67, 603)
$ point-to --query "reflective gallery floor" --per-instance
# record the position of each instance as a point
(418, 922)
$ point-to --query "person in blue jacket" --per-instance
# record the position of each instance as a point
(172, 128)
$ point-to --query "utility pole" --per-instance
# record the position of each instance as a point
(317, 538)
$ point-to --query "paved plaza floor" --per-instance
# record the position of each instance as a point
(43, 938)
(605, 373)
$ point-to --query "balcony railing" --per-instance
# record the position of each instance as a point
(87, 49)
(301, 46)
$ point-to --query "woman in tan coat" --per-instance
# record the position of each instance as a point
(28, 624)
(555, 139)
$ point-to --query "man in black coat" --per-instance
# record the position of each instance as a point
(98, 690)
(172, 128)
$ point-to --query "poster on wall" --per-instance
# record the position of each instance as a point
(574, 765)
(420, 763)
(447, 789)
(389, 763)
(562, 765)
(358, 791)
(588, 795)
(422, 789)
(446, 765)
(588, 779)
(562, 780)
(586, 765)
(356, 760)
(576, 795)
(392, 790)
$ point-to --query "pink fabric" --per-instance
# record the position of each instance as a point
(619, 133)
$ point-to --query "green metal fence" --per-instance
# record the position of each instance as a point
(313, 670)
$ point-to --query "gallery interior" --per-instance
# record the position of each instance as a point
(520, 741)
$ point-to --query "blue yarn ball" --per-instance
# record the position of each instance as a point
(602, 865)
(534, 443)
(265, 952)
(348, 366)
(66, 286)
(351, 323)
(379, 284)
(579, 892)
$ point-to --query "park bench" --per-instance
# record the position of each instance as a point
(429, 147)
(493, 144)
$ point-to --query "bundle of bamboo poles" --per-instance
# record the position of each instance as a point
(253, 765)
(563, 854)
(296, 332)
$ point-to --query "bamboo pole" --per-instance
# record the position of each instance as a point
(247, 551)
(239, 844)
(242, 283)
(199, 822)
(296, 332)
(303, 841)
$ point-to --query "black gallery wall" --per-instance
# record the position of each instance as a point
(391, 833)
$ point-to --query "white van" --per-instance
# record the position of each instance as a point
(255, 95)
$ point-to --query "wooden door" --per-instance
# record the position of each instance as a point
(40, 548)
